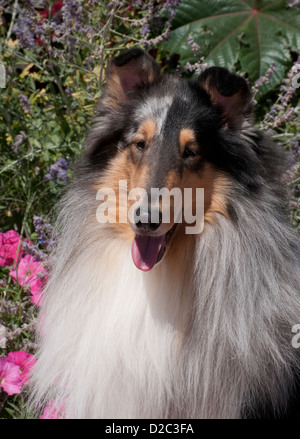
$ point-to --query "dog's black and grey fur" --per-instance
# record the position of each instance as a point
(207, 333)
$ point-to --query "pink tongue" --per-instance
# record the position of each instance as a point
(145, 251)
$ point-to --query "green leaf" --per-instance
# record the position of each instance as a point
(256, 33)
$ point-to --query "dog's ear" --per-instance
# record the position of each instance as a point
(230, 93)
(127, 72)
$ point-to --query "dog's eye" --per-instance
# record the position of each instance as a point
(189, 153)
(140, 144)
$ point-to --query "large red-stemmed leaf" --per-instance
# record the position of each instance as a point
(256, 33)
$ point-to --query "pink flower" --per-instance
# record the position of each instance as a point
(30, 273)
(53, 411)
(10, 380)
(10, 247)
(24, 361)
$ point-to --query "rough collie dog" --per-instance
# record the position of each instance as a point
(143, 320)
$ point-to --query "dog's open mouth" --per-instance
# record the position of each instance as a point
(148, 250)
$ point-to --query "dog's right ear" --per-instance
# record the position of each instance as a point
(127, 72)
(228, 92)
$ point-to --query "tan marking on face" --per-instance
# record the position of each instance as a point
(218, 202)
(148, 128)
(187, 138)
(215, 186)
(146, 131)
(120, 168)
(139, 176)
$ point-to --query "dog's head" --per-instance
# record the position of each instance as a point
(157, 132)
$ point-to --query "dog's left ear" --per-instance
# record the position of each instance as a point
(126, 73)
(228, 92)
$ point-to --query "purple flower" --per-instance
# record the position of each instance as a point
(153, 23)
(19, 139)
(293, 145)
(264, 79)
(45, 234)
(34, 251)
(280, 112)
(68, 91)
(193, 45)
(72, 14)
(58, 171)
(172, 4)
(145, 29)
(24, 31)
(24, 102)
(198, 67)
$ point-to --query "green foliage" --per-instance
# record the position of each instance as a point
(58, 64)
(251, 33)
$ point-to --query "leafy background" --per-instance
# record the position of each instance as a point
(55, 54)
(253, 33)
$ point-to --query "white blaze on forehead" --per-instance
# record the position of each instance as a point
(154, 108)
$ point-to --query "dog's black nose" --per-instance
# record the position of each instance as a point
(147, 220)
